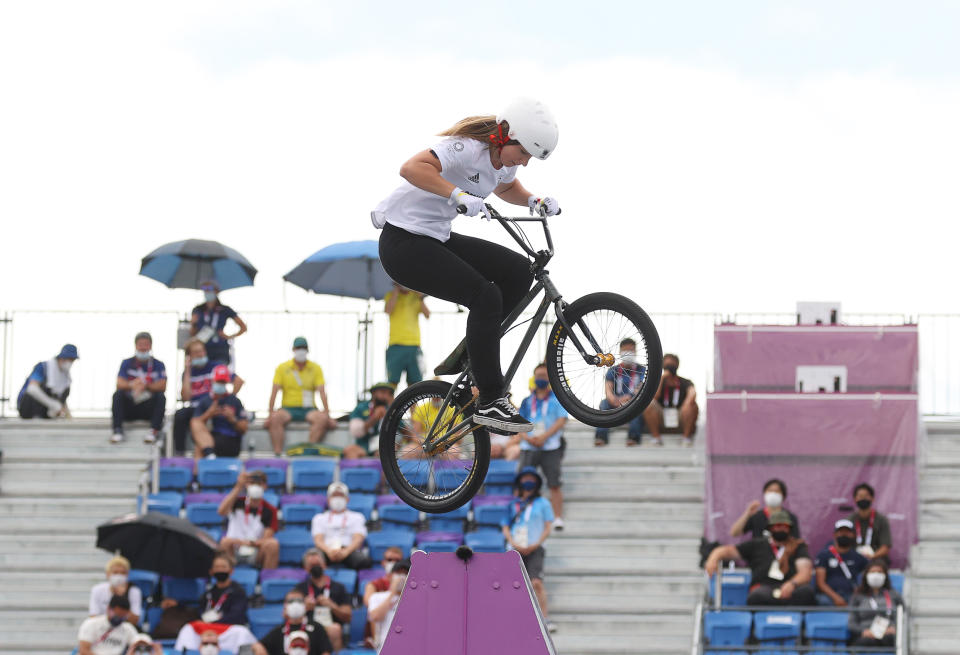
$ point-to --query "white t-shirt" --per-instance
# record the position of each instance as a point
(104, 638)
(338, 528)
(380, 628)
(100, 597)
(466, 163)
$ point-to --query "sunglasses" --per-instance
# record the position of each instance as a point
(389, 559)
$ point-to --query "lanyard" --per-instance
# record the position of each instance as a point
(220, 602)
(869, 539)
(633, 378)
(843, 565)
(286, 627)
(246, 511)
(330, 515)
(886, 597)
(212, 321)
(105, 634)
(149, 375)
(676, 396)
(326, 591)
(522, 508)
(777, 553)
(533, 405)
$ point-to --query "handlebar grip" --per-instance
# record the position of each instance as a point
(461, 209)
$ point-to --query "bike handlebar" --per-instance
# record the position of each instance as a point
(506, 221)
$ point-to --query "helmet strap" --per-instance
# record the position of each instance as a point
(498, 139)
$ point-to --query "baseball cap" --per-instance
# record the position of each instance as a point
(843, 523)
(780, 517)
(301, 636)
(142, 639)
(382, 385)
(69, 351)
(221, 373)
(336, 487)
(300, 342)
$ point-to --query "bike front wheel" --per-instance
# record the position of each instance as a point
(435, 462)
(617, 390)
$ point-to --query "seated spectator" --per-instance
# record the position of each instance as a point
(874, 608)
(297, 635)
(621, 383)
(299, 379)
(391, 556)
(107, 634)
(44, 393)
(144, 645)
(780, 566)
(141, 384)
(219, 420)
(756, 517)
(117, 584)
(542, 447)
(838, 566)
(251, 521)
(209, 643)
(328, 602)
(382, 605)
(196, 384)
(339, 532)
(197, 635)
(208, 320)
(526, 527)
(365, 421)
(225, 601)
(675, 406)
(872, 528)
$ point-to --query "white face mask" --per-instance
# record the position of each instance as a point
(209, 649)
(338, 504)
(254, 492)
(209, 296)
(300, 355)
(117, 579)
(296, 610)
(772, 499)
(388, 566)
(65, 365)
(875, 579)
(298, 650)
(144, 355)
(628, 357)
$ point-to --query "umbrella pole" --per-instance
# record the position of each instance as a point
(366, 351)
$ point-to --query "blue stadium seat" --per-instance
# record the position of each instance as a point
(438, 546)
(275, 589)
(896, 581)
(448, 478)
(346, 577)
(361, 479)
(362, 503)
(415, 471)
(183, 590)
(145, 581)
(276, 475)
(165, 502)
(501, 472)
(153, 616)
(358, 623)
(272, 497)
(264, 619)
(174, 478)
(736, 587)
(782, 628)
(826, 628)
(300, 514)
(725, 652)
(489, 515)
(485, 542)
(403, 516)
(315, 474)
(246, 578)
(357, 651)
(215, 533)
(218, 474)
(727, 628)
(294, 543)
(204, 515)
(379, 541)
(450, 521)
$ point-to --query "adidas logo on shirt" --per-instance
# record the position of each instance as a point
(475, 178)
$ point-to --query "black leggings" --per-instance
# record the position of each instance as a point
(485, 277)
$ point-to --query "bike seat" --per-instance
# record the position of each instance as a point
(455, 361)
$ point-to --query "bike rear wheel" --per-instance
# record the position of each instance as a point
(450, 474)
(580, 387)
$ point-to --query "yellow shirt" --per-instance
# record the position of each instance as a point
(425, 414)
(298, 385)
(405, 319)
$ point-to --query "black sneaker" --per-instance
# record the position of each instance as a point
(502, 415)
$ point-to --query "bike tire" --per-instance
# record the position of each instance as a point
(559, 383)
(411, 494)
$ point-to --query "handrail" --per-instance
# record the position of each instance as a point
(697, 647)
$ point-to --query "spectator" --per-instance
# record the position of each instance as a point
(382, 605)
(144, 645)
(526, 526)
(838, 566)
(208, 321)
(328, 602)
(219, 420)
(209, 643)
(117, 584)
(196, 384)
(621, 384)
(391, 556)
(542, 447)
(403, 351)
(44, 393)
(251, 521)
(108, 634)
(141, 384)
(871, 527)
(224, 601)
(874, 607)
(675, 406)
(365, 420)
(780, 566)
(339, 532)
(754, 520)
(299, 379)
(231, 638)
(297, 635)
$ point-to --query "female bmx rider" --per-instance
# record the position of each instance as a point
(417, 249)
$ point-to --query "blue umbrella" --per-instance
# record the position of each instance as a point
(351, 269)
(187, 264)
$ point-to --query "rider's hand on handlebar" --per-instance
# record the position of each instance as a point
(549, 206)
(471, 205)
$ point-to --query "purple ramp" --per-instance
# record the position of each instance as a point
(448, 607)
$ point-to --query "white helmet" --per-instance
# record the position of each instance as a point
(532, 124)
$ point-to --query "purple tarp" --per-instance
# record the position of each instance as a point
(820, 445)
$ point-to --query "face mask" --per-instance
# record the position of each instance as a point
(219, 388)
(875, 579)
(143, 649)
(542, 384)
(143, 355)
(221, 576)
(199, 362)
(116, 620)
(864, 503)
(209, 649)
(316, 572)
(528, 485)
(300, 355)
(338, 503)
(65, 365)
(628, 357)
(209, 296)
(772, 499)
(780, 535)
(117, 579)
(388, 566)
(298, 650)
(845, 541)
(670, 368)
(296, 610)
(254, 492)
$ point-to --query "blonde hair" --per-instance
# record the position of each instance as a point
(122, 561)
(191, 343)
(479, 128)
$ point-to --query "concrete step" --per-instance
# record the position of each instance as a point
(69, 561)
(598, 562)
(650, 529)
(637, 474)
(13, 474)
(618, 547)
(40, 639)
(933, 635)
(633, 491)
(614, 510)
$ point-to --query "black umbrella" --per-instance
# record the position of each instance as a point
(165, 544)
(187, 264)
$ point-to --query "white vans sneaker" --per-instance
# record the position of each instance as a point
(502, 415)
